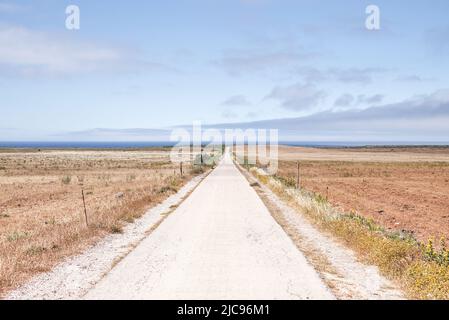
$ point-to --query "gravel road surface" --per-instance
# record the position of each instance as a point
(220, 243)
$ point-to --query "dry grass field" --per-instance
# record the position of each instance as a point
(366, 154)
(399, 188)
(389, 205)
(41, 208)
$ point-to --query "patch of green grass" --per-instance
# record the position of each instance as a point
(130, 177)
(116, 229)
(66, 179)
(320, 199)
(35, 250)
(16, 236)
(440, 256)
(197, 169)
(289, 182)
(166, 189)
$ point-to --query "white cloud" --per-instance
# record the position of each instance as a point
(25, 52)
(344, 100)
(420, 118)
(29, 53)
(347, 100)
(364, 99)
(344, 75)
(360, 75)
(297, 97)
(413, 78)
(237, 100)
(229, 114)
(237, 63)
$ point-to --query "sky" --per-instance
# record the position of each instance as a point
(309, 68)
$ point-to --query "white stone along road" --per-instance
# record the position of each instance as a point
(220, 243)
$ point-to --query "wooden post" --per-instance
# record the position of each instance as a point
(297, 178)
(180, 168)
(327, 193)
(85, 210)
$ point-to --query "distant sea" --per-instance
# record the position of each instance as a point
(82, 145)
(143, 144)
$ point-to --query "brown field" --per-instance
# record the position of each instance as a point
(400, 188)
(41, 208)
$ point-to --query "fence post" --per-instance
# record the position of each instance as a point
(297, 177)
(180, 168)
(85, 210)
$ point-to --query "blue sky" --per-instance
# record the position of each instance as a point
(155, 64)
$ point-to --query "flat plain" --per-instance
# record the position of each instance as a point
(401, 188)
(42, 216)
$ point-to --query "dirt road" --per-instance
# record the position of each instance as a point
(220, 243)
